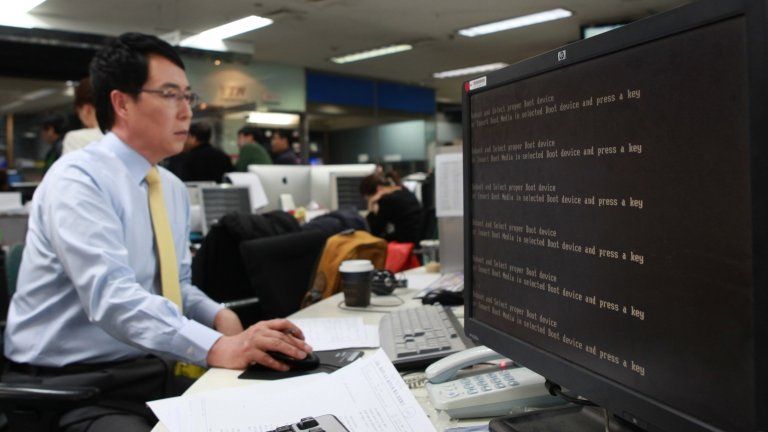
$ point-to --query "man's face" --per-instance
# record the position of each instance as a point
(160, 124)
(49, 135)
(244, 139)
(279, 143)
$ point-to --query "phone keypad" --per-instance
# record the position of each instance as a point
(483, 383)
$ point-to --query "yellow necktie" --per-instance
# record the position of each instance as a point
(166, 253)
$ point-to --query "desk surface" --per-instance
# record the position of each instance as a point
(222, 378)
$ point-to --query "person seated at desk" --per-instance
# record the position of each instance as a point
(104, 294)
(202, 161)
(251, 150)
(394, 213)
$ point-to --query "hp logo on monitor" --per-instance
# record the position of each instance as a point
(561, 55)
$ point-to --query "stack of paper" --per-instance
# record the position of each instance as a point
(367, 396)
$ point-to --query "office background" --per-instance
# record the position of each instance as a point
(390, 109)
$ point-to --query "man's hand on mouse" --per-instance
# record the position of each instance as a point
(250, 346)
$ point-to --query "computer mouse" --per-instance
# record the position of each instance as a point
(444, 297)
(310, 362)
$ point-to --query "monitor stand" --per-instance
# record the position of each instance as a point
(569, 418)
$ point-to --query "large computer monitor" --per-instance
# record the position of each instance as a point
(283, 179)
(322, 184)
(615, 208)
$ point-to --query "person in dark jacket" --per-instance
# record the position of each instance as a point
(282, 153)
(204, 162)
(394, 213)
(52, 133)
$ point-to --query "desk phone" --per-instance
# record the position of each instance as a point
(487, 393)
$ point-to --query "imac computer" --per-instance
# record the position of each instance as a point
(322, 184)
(615, 220)
(283, 179)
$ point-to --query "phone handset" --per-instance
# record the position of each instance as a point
(447, 368)
(489, 392)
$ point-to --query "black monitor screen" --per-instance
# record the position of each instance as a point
(610, 210)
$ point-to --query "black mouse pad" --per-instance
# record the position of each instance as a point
(329, 362)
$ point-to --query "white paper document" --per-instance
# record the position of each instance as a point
(325, 334)
(257, 408)
(449, 185)
(421, 281)
(367, 396)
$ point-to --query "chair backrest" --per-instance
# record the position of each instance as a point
(217, 268)
(280, 269)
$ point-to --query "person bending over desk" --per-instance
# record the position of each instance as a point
(104, 293)
(394, 213)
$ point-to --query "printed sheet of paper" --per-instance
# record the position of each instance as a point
(325, 334)
(449, 185)
(367, 396)
(256, 408)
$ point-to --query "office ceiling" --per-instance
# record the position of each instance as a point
(308, 32)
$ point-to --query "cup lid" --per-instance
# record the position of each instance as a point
(355, 266)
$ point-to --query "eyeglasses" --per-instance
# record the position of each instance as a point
(176, 95)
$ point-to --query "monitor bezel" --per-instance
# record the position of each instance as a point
(618, 398)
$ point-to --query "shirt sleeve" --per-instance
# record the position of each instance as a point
(197, 305)
(87, 236)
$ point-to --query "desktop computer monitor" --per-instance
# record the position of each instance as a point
(615, 217)
(322, 184)
(345, 191)
(216, 201)
(283, 179)
(193, 188)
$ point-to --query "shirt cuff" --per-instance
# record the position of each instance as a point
(193, 341)
(206, 310)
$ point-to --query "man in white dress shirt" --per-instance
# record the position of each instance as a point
(89, 308)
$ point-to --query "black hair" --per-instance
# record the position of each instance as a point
(283, 134)
(201, 131)
(57, 122)
(84, 93)
(124, 65)
(252, 131)
(370, 183)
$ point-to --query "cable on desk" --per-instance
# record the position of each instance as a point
(556, 390)
(414, 380)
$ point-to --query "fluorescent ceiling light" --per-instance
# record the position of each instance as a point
(469, 71)
(18, 7)
(12, 105)
(273, 118)
(520, 21)
(215, 36)
(15, 13)
(38, 94)
(377, 52)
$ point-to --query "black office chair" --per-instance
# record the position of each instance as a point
(31, 407)
(280, 269)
